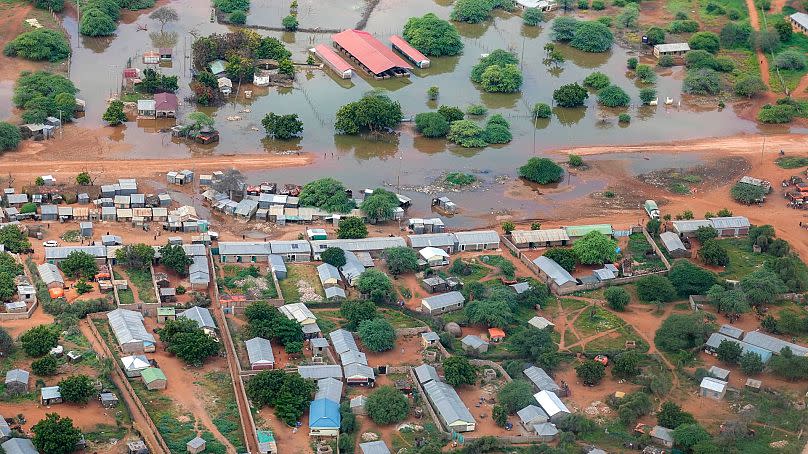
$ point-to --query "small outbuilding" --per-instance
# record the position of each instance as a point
(134, 365)
(662, 436)
(108, 400)
(358, 405)
(671, 49)
(50, 395)
(154, 378)
(16, 382)
(540, 322)
(713, 388)
(259, 352)
(474, 344)
(146, 108)
(137, 447)
(531, 415)
(719, 373)
(196, 445)
(429, 339)
(374, 447)
(546, 431)
(674, 245)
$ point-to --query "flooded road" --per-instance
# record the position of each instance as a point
(406, 159)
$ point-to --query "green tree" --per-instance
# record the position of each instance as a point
(751, 364)
(431, 124)
(228, 6)
(458, 371)
(595, 248)
(655, 35)
(327, 194)
(166, 14)
(432, 36)
(497, 130)
(672, 416)
(689, 279)
(564, 28)
(713, 253)
(762, 286)
(376, 285)
(452, 113)
(682, 332)
(515, 395)
(377, 335)
(293, 398)
(39, 44)
(655, 288)
(282, 127)
(77, 389)
(467, 134)
(387, 406)
(56, 5)
(592, 36)
(541, 171)
(356, 312)
(626, 365)
(617, 298)
(729, 351)
(55, 435)
(193, 347)
(564, 257)
(380, 205)
(45, 366)
(703, 81)
(686, 436)
(590, 372)
(501, 79)
(290, 22)
(173, 256)
(489, 312)
(6, 343)
(790, 59)
(136, 256)
(747, 193)
(708, 41)
(199, 120)
(498, 57)
(706, 233)
(401, 260)
(14, 239)
(471, 11)
(333, 256)
(374, 111)
(532, 16)
(597, 81)
(613, 96)
(9, 136)
(83, 179)
(95, 22)
(749, 86)
(645, 74)
(536, 345)
(238, 17)
(499, 415)
(272, 48)
(79, 264)
(286, 68)
(634, 405)
(629, 17)
(570, 95)
(541, 110)
(771, 114)
(352, 227)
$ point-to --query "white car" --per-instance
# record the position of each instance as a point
(50, 243)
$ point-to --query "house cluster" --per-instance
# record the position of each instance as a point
(163, 105)
(453, 414)
(24, 298)
(539, 419)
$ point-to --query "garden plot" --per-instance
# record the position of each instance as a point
(302, 285)
(252, 281)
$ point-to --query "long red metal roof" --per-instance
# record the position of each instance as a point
(370, 51)
(407, 49)
(337, 62)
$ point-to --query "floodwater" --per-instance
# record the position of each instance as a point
(405, 159)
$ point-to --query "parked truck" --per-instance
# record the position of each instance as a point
(652, 209)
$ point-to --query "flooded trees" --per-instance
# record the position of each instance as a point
(164, 15)
(9, 136)
(114, 114)
(290, 22)
(497, 72)
(39, 44)
(570, 95)
(532, 16)
(283, 127)
(597, 81)
(467, 134)
(375, 111)
(327, 194)
(99, 18)
(541, 170)
(155, 82)
(38, 94)
(432, 36)
(380, 205)
(613, 96)
(431, 124)
(592, 36)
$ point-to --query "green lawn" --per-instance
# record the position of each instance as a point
(792, 162)
(400, 319)
(142, 280)
(224, 408)
(297, 272)
(596, 320)
(570, 304)
(608, 342)
(126, 296)
(637, 247)
(742, 260)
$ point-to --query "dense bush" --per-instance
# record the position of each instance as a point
(702, 82)
(563, 256)
(56, 5)
(689, 279)
(497, 72)
(747, 193)
(779, 113)
(597, 81)
(433, 36)
(451, 113)
(655, 288)
(617, 298)
(592, 36)
(570, 95)
(95, 22)
(39, 44)
(706, 41)
(238, 17)
(467, 134)
(431, 124)
(375, 111)
(532, 16)
(749, 85)
(682, 332)
(613, 96)
(542, 171)
(647, 95)
(497, 130)
(735, 35)
(790, 59)
(471, 11)
(327, 194)
(541, 110)
(9, 136)
(655, 35)
(229, 6)
(564, 28)
(683, 26)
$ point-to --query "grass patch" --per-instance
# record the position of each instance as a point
(475, 272)
(596, 320)
(776, 410)
(224, 408)
(638, 246)
(295, 273)
(142, 280)
(618, 343)
(71, 236)
(742, 260)
(571, 304)
(570, 337)
(459, 179)
(103, 433)
(399, 319)
(792, 162)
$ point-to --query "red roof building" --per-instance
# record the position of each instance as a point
(410, 52)
(131, 73)
(166, 104)
(333, 61)
(371, 54)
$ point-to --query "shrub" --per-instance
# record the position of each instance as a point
(735, 35)
(592, 36)
(39, 44)
(706, 41)
(590, 373)
(624, 118)
(229, 6)
(467, 134)
(613, 96)
(45, 366)
(570, 95)
(450, 113)
(666, 61)
(645, 74)
(290, 22)
(501, 79)
(597, 81)
(542, 171)
(617, 298)
(9, 136)
(532, 16)
(647, 95)
(583, 4)
(749, 85)
(497, 132)
(683, 26)
(632, 63)
(790, 59)
(575, 161)
(702, 82)
(95, 22)
(564, 28)
(779, 113)
(431, 124)
(747, 193)
(655, 35)
(432, 36)
(282, 127)
(238, 17)
(626, 365)
(541, 110)
(476, 110)
(655, 288)
(471, 11)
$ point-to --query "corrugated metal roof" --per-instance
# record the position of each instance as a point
(51, 392)
(731, 331)
(531, 413)
(430, 252)
(200, 315)
(17, 376)
(61, 252)
(582, 230)
(324, 414)
(550, 403)
(359, 370)
(716, 338)
(328, 54)
(673, 47)
(329, 388)
(353, 268)
(353, 357)
(444, 300)
(477, 237)
(319, 342)
(552, 269)
(360, 244)
(374, 447)
(135, 362)
(19, 446)
(540, 378)
(342, 341)
(151, 374)
(318, 372)
(259, 351)
(199, 272)
(800, 18)
(290, 247)
(407, 49)
(432, 239)
(718, 372)
(473, 341)
(334, 292)
(425, 373)
(732, 222)
(662, 433)
(50, 273)
(713, 384)
(691, 225)
(246, 207)
(297, 312)
(369, 50)
(128, 326)
(539, 236)
(251, 248)
(540, 322)
(672, 241)
(545, 429)
(277, 263)
(447, 403)
(773, 344)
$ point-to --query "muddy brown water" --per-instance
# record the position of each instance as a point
(406, 158)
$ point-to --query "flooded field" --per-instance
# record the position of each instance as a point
(405, 160)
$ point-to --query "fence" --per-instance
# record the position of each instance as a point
(492, 365)
(19, 315)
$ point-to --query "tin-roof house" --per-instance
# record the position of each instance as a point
(324, 418)
(166, 105)
(541, 380)
(452, 412)
(146, 108)
(445, 302)
(259, 352)
(374, 447)
(200, 315)
(551, 405)
(19, 446)
(131, 334)
(531, 415)
(554, 274)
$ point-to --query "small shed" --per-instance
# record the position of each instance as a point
(259, 352)
(713, 388)
(335, 294)
(318, 345)
(316, 234)
(671, 49)
(495, 334)
(719, 373)
(546, 431)
(50, 395)
(134, 365)
(168, 294)
(531, 415)
(475, 344)
(137, 447)
(674, 245)
(358, 405)
(445, 302)
(165, 314)
(662, 435)
(435, 284)
(374, 447)
(429, 339)
(196, 445)
(86, 229)
(16, 382)
(540, 322)
(108, 400)
(83, 198)
(278, 266)
(753, 384)
(153, 378)
(433, 256)
(48, 213)
(146, 108)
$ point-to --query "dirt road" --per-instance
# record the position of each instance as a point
(140, 421)
(754, 19)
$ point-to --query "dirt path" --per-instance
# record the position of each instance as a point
(801, 91)
(754, 19)
(139, 421)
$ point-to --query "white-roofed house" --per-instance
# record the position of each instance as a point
(539, 238)
(530, 416)
(672, 49)
(799, 21)
(474, 344)
(674, 245)
(712, 388)
(329, 275)
(374, 447)
(477, 240)
(540, 322)
(298, 312)
(551, 405)
(545, 431)
(445, 302)
(135, 364)
(433, 256)
(259, 352)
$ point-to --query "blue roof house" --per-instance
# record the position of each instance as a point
(324, 418)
